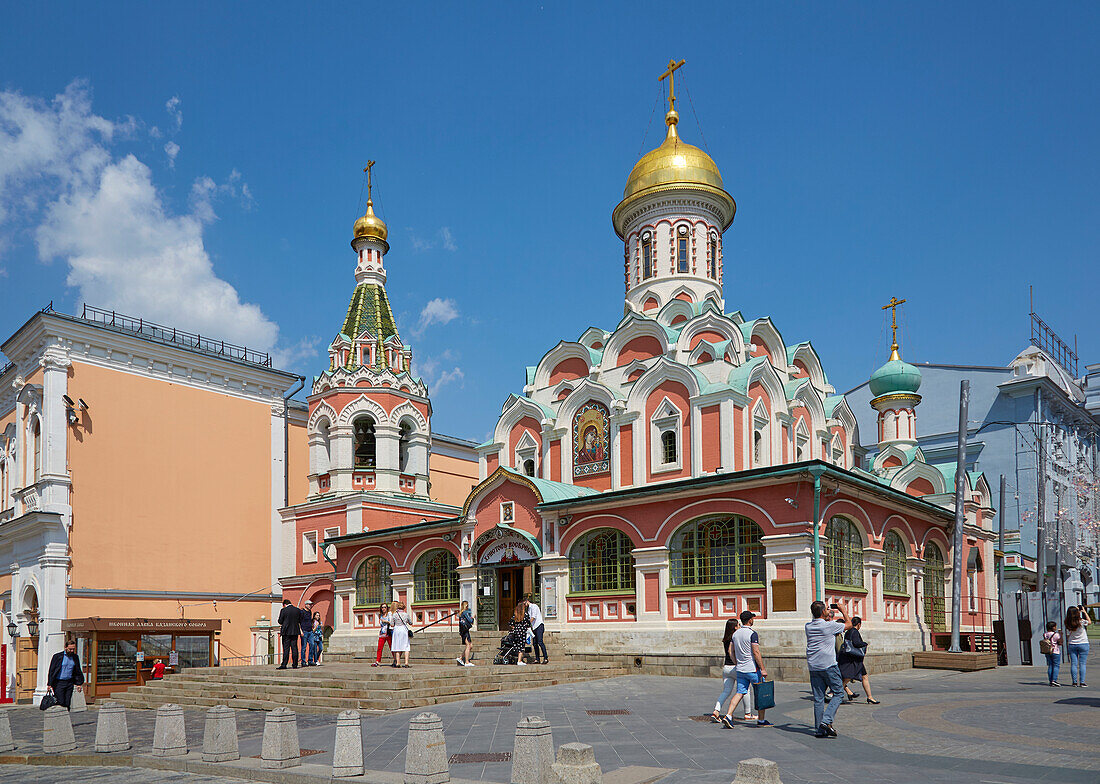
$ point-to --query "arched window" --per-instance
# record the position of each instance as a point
(529, 467)
(893, 574)
(668, 447)
(403, 447)
(37, 446)
(373, 584)
(757, 448)
(436, 577)
(365, 446)
(843, 553)
(682, 250)
(647, 258)
(718, 551)
(935, 609)
(712, 257)
(601, 561)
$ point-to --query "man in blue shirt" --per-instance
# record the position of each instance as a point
(65, 673)
(821, 635)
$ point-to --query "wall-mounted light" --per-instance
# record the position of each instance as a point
(32, 627)
(13, 629)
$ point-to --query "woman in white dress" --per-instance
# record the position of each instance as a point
(400, 643)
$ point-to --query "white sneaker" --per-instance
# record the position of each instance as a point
(522, 663)
(460, 662)
(469, 664)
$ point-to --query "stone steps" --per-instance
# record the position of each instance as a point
(342, 687)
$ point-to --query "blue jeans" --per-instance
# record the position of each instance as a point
(822, 681)
(1054, 663)
(315, 649)
(306, 658)
(1077, 656)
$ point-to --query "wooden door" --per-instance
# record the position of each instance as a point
(510, 584)
(26, 668)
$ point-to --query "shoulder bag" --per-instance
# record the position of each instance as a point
(850, 650)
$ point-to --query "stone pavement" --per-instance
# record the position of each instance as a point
(994, 727)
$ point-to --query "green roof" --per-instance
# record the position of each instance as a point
(831, 402)
(369, 311)
(739, 376)
(551, 490)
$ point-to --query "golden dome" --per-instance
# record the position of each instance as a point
(674, 163)
(370, 225)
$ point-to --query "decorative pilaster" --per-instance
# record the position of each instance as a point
(651, 580)
(554, 570)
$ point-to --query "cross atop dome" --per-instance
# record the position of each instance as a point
(892, 306)
(670, 74)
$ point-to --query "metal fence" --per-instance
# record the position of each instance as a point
(247, 661)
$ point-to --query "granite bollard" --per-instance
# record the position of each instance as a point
(111, 733)
(757, 771)
(219, 736)
(347, 755)
(576, 765)
(57, 731)
(6, 741)
(169, 732)
(426, 752)
(78, 703)
(280, 746)
(533, 753)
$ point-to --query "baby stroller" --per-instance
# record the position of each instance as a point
(511, 646)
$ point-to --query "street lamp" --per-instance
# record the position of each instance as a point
(13, 629)
(32, 627)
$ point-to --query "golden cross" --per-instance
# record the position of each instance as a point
(370, 165)
(893, 306)
(673, 66)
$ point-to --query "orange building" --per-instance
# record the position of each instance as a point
(141, 473)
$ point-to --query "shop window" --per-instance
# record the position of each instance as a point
(193, 651)
(717, 551)
(601, 561)
(843, 554)
(365, 446)
(893, 575)
(156, 646)
(373, 584)
(436, 577)
(309, 547)
(116, 661)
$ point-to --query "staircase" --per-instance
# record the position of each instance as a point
(348, 682)
(434, 646)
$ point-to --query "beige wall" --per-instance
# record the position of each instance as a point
(452, 478)
(299, 463)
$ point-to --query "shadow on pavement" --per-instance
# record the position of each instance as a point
(1091, 702)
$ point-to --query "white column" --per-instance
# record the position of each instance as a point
(467, 587)
(798, 550)
(554, 573)
(403, 586)
(418, 461)
(387, 443)
(53, 568)
(873, 568)
(341, 449)
(55, 435)
(651, 561)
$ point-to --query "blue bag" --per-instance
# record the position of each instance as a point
(763, 695)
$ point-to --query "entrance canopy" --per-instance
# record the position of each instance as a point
(503, 544)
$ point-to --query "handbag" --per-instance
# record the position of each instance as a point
(850, 650)
(763, 695)
(410, 631)
(48, 700)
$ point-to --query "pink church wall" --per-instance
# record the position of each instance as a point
(707, 335)
(678, 394)
(641, 347)
(524, 425)
(626, 454)
(711, 438)
(568, 369)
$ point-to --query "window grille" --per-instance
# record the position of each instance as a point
(601, 561)
(668, 447)
(365, 450)
(893, 575)
(718, 551)
(933, 571)
(529, 467)
(436, 577)
(373, 584)
(843, 553)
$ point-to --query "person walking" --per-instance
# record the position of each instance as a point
(158, 670)
(65, 674)
(465, 623)
(518, 627)
(305, 624)
(1077, 643)
(538, 629)
(749, 666)
(385, 634)
(851, 663)
(821, 635)
(316, 640)
(289, 629)
(401, 634)
(1051, 647)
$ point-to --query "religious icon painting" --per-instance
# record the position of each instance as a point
(508, 512)
(591, 452)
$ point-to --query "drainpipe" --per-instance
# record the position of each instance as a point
(816, 472)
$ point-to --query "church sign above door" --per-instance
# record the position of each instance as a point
(499, 546)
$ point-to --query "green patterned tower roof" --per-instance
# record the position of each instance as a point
(369, 311)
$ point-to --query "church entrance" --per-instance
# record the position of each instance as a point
(507, 570)
(511, 593)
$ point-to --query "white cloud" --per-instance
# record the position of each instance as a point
(173, 108)
(455, 375)
(443, 238)
(437, 311)
(102, 213)
(172, 150)
(296, 355)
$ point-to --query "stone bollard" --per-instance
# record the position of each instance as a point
(533, 754)
(280, 747)
(57, 731)
(78, 703)
(757, 771)
(169, 733)
(426, 752)
(219, 736)
(347, 756)
(6, 742)
(576, 765)
(111, 733)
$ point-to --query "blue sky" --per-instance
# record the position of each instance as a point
(202, 168)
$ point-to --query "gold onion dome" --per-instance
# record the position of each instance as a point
(370, 225)
(674, 164)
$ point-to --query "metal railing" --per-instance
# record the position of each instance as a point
(175, 336)
(976, 628)
(246, 661)
(1047, 339)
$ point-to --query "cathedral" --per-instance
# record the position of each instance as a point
(659, 476)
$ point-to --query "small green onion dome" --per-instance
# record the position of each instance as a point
(895, 377)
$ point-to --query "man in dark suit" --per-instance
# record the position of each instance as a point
(65, 673)
(289, 626)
